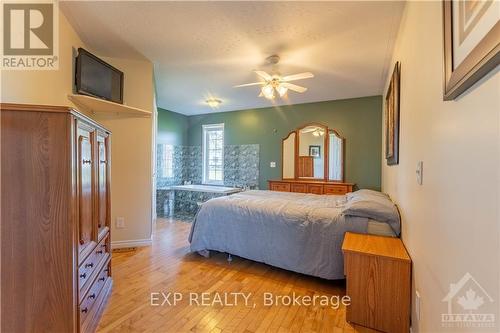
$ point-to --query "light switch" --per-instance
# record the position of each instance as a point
(420, 173)
(272, 164)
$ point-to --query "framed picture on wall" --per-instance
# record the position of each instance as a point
(471, 43)
(392, 118)
(315, 151)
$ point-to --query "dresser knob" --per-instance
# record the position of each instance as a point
(98, 252)
(86, 162)
(89, 265)
(102, 161)
(83, 276)
(92, 296)
(85, 310)
(102, 279)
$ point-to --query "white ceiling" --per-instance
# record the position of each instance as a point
(203, 49)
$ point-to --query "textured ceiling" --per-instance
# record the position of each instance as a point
(203, 49)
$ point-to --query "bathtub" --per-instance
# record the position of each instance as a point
(206, 188)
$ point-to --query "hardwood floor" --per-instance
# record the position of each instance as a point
(167, 266)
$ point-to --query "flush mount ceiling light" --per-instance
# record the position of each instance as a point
(213, 102)
(276, 83)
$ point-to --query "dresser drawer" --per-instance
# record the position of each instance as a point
(335, 189)
(299, 188)
(88, 268)
(88, 301)
(315, 189)
(282, 187)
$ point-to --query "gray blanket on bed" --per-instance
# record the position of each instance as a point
(294, 231)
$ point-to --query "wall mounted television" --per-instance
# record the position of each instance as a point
(94, 77)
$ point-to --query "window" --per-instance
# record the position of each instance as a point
(167, 162)
(213, 154)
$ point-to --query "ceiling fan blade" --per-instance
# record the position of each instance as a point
(250, 84)
(294, 87)
(300, 76)
(264, 75)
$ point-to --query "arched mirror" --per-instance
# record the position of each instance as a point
(313, 152)
(335, 156)
(288, 148)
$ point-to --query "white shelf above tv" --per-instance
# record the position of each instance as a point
(97, 105)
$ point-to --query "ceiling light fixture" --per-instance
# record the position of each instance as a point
(268, 91)
(213, 102)
(281, 90)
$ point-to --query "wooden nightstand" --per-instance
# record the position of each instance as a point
(378, 273)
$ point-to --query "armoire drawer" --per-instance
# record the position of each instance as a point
(89, 299)
(88, 267)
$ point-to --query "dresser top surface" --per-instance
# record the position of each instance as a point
(309, 181)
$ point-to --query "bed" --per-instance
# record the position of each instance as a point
(294, 231)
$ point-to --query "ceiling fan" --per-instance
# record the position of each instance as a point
(275, 83)
(316, 131)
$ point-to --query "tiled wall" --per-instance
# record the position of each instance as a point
(241, 166)
(241, 169)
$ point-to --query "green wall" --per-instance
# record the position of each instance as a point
(172, 128)
(359, 120)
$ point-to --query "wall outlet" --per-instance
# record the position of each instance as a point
(272, 164)
(120, 222)
(420, 172)
(417, 305)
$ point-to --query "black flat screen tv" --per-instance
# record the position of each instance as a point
(96, 78)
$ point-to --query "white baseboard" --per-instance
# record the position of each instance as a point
(131, 243)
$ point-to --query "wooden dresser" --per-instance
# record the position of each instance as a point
(310, 186)
(378, 276)
(55, 241)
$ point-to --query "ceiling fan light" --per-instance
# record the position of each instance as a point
(268, 91)
(281, 90)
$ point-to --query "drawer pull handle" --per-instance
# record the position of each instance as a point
(102, 279)
(98, 252)
(86, 161)
(92, 296)
(83, 276)
(89, 265)
(85, 310)
(103, 161)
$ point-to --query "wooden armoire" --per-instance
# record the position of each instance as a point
(55, 219)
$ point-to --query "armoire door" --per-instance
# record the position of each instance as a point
(85, 145)
(103, 211)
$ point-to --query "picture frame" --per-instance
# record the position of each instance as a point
(315, 151)
(471, 50)
(392, 117)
